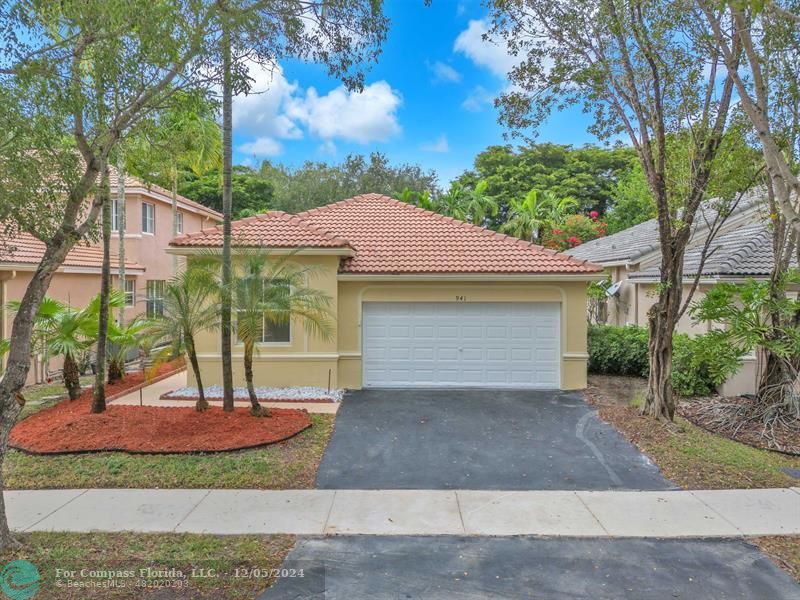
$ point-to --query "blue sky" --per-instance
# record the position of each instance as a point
(427, 101)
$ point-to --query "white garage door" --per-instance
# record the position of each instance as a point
(460, 344)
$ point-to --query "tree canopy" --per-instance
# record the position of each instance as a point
(588, 174)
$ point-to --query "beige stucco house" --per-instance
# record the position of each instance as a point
(419, 300)
(148, 231)
(741, 249)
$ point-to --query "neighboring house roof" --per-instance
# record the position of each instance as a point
(274, 229)
(392, 238)
(133, 184)
(742, 252)
(629, 245)
(24, 250)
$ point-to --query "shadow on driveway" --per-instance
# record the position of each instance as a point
(449, 568)
(479, 440)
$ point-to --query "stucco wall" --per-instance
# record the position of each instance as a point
(307, 361)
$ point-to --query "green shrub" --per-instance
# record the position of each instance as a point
(618, 350)
(699, 364)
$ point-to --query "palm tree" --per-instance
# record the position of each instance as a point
(270, 293)
(559, 208)
(70, 333)
(124, 339)
(453, 202)
(227, 201)
(478, 206)
(527, 217)
(190, 307)
(43, 321)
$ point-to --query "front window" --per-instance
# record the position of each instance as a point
(130, 292)
(271, 332)
(155, 298)
(148, 217)
(179, 222)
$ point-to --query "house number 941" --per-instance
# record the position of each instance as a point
(461, 298)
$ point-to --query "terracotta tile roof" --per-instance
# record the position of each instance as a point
(392, 237)
(274, 229)
(133, 182)
(27, 250)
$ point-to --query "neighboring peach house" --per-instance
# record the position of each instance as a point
(420, 300)
(741, 249)
(148, 231)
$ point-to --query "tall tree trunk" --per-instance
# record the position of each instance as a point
(72, 377)
(227, 199)
(256, 409)
(174, 216)
(121, 224)
(661, 319)
(202, 403)
(99, 395)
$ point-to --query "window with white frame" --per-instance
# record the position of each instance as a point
(271, 332)
(179, 222)
(154, 296)
(116, 220)
(148, 217)
(130, 292)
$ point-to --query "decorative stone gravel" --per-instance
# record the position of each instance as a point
(265, 394)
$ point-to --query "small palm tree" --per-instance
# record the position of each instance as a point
(124, 339)
(269, 293)
(559, 208)
(527, 217)
(70, 333)
(454, 202)
(478, 205)
(190, 307)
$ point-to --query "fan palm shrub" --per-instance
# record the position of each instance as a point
(191, 306)
(269, 292)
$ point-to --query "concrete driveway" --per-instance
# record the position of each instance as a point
(450, 568)
(479, 440)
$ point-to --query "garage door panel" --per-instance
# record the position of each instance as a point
(461, 344)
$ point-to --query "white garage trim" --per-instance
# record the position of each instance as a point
(461, 344)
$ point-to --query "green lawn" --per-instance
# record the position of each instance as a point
(697, 459)
(128, 551)
(290, 464)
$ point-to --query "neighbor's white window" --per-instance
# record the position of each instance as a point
(179, 222)
(148, 217)
(130, 292)
(115, 215)
(154, 295)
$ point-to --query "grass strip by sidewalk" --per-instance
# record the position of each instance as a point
(233, 559)
(286, 465)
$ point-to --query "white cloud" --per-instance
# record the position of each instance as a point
(327, 147)
(262, 112)
(277, 109)
(438, 145)
(362, 117)
(478, 99)
(263, 146)
(492, 55)
(444, 73)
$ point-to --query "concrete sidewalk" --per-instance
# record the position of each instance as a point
(661, 514)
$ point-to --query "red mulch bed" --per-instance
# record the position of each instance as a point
(69, 427)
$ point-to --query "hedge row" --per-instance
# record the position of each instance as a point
(699, 364)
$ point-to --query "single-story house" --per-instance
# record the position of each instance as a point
(420, 299)
(742, 249)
